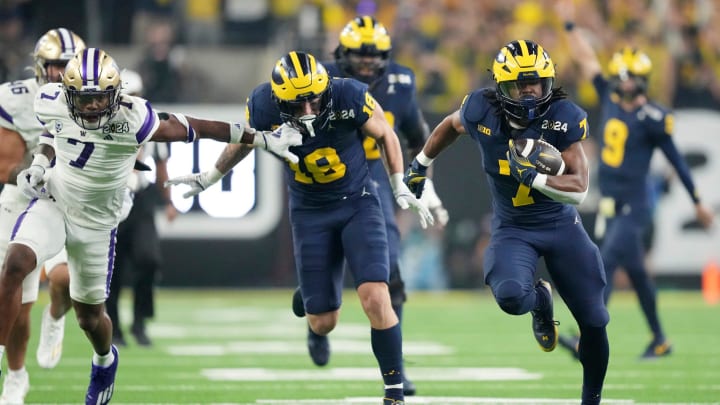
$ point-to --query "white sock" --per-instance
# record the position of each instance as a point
(2, 352)
(103, 361)
(17, 372)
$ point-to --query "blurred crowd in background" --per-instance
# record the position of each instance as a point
(450, 44)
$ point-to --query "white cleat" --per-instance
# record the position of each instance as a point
(15, 387)
(52, 332)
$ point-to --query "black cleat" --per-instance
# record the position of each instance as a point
(408, 386)
(319, 348)
(544, 326)
(390, 401)
(138, 331)
(571, 343)
(298, 307)
(657, 349)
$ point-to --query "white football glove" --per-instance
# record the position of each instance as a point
(31, 181)
(279, 141)
(406, 199)
(432, 201)
(198, 182)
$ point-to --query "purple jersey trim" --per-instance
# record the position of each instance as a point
(147, 126)
(6, 115)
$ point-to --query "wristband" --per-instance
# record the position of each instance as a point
(214, 175)
(236, 132)
(569, 26)
(39, 159)
(423, 159)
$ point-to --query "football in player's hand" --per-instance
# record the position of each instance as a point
(546, 158)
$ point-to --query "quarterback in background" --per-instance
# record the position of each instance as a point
(534, 214)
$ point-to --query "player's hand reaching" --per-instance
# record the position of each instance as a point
(406, 199)
(432, 201)
(279, 141)
(415, 177)
(198, 182)
(521, 168)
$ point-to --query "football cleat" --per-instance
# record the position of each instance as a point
(140, 334)
(390, 401)
(15, 388)
(298, 307)
(657, 349)
(571, 343)
(319, 348)
(102, 382)
(50, 346)
(544, 326)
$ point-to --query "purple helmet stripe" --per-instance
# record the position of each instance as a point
(96, 67)
(66, 41)
(84, 67)
(111, 260)
(21, 218)
(147, 125)
(6, 116)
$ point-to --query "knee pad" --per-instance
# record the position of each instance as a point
(511, 297)
(396, 286)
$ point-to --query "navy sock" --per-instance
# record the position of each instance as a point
(594, 353)
(387, 347)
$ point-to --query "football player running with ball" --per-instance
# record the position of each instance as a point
(93, 133)
(335, 211)
(363, 53)
(632, 127)
(534, 213)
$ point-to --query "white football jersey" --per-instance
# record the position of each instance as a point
(92, 166)
(16, 114)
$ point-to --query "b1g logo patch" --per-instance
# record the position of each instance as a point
(116, 128)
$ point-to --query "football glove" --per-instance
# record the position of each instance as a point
(405, 199)
(279, 141)
(520, 167)
(198, 182)
(31, 181)
(434, 204)
(415, 177)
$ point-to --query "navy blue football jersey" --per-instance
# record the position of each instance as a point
(395, 91)
(564, 124)
(332, 164)
(627, 142)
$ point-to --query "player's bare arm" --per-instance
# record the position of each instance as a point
(575, 179)
(378, 128)
(582, 52)
(12, 152)
(444, 134)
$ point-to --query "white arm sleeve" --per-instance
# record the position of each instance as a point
(568, 197)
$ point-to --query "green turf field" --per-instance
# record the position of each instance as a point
(246, 347)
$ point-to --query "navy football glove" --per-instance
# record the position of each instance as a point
(520, 167)
(415, 177)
